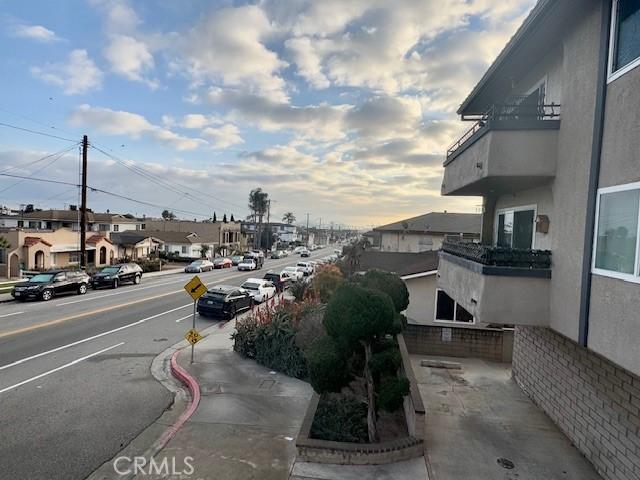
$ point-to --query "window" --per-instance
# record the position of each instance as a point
(514, 227)
(616, 236)
(74, 257)
(184, 249)
(116, 228)
(448, 310)
(20, 223)
(624, 53)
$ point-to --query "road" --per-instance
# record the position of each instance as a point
(75, 380)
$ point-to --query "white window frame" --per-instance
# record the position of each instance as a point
(455, 311)
(627, 277)
(613, 75)
(499, 211)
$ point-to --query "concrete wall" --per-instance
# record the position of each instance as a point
(542, 198)
(488, 343)
(422, 295)
(593, 401)
(549, 68)
(409, 242)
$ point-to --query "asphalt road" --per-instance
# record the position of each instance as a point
(75, 380)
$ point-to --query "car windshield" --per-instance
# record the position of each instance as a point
(110, 270)
(196, 263)
(290, 269)
(251, 286)
(216, 295)
(41, 278)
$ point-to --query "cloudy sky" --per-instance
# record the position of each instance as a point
(339, 108)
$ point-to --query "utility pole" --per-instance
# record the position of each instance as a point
(268, 224)
(307, 229)
(83, 205)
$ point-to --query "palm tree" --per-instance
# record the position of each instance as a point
(289, 217)
(258, 205)
(204, 249)
(4, 243)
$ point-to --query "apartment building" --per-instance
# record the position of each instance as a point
(225, 234)
(426, 232)
(55, 219)
(554, 151)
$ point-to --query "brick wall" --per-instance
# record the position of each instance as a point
(593, 401)
(488, 343)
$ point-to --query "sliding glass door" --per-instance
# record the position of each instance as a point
(515, 228)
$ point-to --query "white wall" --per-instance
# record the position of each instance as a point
(409, 242)
(422, 295)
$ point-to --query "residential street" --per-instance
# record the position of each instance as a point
(75, 374)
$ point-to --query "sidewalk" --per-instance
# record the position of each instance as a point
(480, 425)
(247, 420)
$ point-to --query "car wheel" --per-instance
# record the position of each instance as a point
(47, 295)
(234, 312)
(82, 289)
(115, 283)
(136, 280)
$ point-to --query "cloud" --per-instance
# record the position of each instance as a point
(78, 75)
(227, 47)
(307, 61)
(34, 32)
(224, 136)
(130, 58)
(132, 125)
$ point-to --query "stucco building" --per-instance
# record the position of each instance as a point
(554, 151)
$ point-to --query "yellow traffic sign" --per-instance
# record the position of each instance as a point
(195, 288)
(193, 336)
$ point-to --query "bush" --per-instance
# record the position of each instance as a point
(275, 347)
(385, 362)
(310, 328)
(327, 366)
(299, 289)
(327, 281)
(391, 393)
(244, 338)
(340, 420)
(389, 283)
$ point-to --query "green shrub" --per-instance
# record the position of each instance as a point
(389, 283)
(326, 282)
(299, 289)
(275, 347)
(327, 366)
(343, 420)
(391, 392)
(310, 328)
(244, 338)
(385, 362)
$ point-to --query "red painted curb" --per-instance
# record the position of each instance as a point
(181, 374)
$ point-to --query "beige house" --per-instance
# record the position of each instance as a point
(554, 151)
(222, 234)
(425, 232)
(135, 245)
(43, 249)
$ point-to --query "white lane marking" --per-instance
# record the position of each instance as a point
(9, 314)
(78, 342)
(186, 316)
(66, 365)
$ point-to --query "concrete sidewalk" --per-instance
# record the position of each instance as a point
(247, 420)
(481, 426)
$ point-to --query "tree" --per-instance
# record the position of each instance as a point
(289, 217)
(232, 219)
(258, 202)
(389, 283)
(168, 215)
(326, 281)
(224, 218)
(214, 217)
(204, 249)
(356, 317)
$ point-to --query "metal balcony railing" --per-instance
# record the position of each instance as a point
(498, 256)
(517, 109)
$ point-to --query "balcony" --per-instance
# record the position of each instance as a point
(497, 285)
(511, 147)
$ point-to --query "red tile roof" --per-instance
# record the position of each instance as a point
(31, 241)
(96, 238)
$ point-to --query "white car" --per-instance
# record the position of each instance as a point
(247, 264)
(295, 273)
(259, 289)
(306, 267)
(299, 249)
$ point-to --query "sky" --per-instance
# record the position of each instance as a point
(341, 109)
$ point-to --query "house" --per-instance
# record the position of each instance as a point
(56, 219)
(554, 151)
(135, 245)
(184, 244)
(426, 232)
(228, 235)
(418, 270)
(44, 249)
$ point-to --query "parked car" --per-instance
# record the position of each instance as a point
(222, 263)
(307, 268)
(257, 258)
(236, 259)
(259, 289)
(305, 253)
(277, 254)
(248, 264)
(114, 275)
(281, 280)
(47, 285)
(199, 266)
(295, 273)
(224, 301)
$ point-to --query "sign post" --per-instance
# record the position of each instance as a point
(196, 289)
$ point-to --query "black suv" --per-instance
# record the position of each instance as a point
(115, 275)
(225, 301)
(47, 285)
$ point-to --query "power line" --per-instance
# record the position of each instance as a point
(40, 159)
(36, 132)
